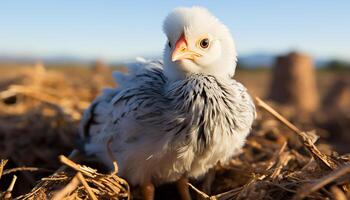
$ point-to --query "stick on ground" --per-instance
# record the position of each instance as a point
(323, 159)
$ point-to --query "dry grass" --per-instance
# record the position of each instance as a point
(39, 114)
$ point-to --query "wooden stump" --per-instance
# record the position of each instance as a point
(294, 83)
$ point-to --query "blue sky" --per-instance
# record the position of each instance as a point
(114, 30)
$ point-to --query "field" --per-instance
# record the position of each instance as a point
(41, 107)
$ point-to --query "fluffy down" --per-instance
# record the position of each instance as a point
(163, 129)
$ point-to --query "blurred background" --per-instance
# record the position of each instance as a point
(56, 56)
(80, 31)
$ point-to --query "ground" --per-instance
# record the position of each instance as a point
(40, 110)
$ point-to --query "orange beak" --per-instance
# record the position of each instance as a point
(181, 50)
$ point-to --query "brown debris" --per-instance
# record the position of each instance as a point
(67, 190)
(64, 184)
(285, 174)
(317, 184)
(39, 116)
(307, 139)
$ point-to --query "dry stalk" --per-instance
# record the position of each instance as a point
(87, 171)
(222, 196)
(30, 169)
(338, 194)
(115, 186)
(202, 194)
(62, 178)
(8, 193)
(229, 194)
(86, 186)
(307, 141)
(276, 159)
(282, 162)
(73, 156)
(319, 183)
(69, 188)
(2, 165)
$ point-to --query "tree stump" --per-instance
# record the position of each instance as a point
(294, 82)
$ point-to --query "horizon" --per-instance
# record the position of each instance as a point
(91, 30)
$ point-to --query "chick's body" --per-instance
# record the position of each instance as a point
(166, 121)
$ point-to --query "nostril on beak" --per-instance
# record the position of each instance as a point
(183, 49)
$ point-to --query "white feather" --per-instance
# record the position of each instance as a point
(165, 123)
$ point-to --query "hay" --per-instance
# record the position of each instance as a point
(39, 116)
(275, 166)
(79, 183)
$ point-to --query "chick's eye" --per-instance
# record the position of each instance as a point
(169, 44)
(204, 43)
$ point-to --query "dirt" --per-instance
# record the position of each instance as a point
(40, 111)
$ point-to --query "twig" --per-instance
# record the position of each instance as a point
(276, 157)
(31, 169)
(282, 162)
(54, 178)
(86, 186)
(63, 159)
(73, 155)
(309, 188)
(69, 188)
(80, 168)
(8, 194)
(274, 161)
(228, 194)
(307, 141)
(224, 195)
(273, 112)
(2, 165)
(203, 195)
(338, 194)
